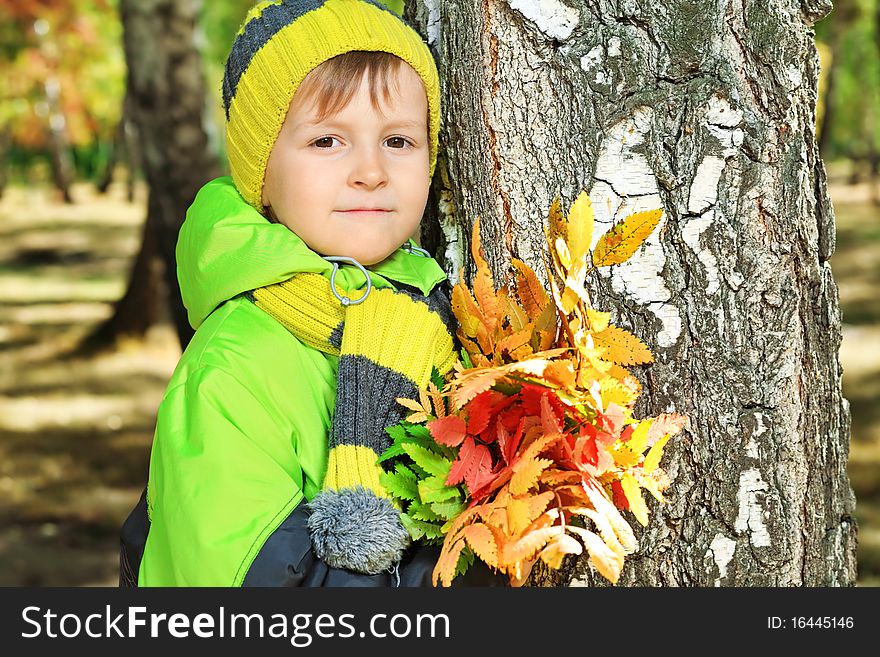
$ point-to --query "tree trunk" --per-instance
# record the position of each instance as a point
(59, 146)
(706, 109)
(167, 90)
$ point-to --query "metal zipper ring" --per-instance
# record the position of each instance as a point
(347, 301)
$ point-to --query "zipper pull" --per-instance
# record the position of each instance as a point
(394, 571)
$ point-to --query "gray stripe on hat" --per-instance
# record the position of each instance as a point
(257, 34)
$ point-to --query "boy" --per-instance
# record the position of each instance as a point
(263, 470)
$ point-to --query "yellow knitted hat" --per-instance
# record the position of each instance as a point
(280, 42)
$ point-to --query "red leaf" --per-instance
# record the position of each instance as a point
(585, 449)
(481, 409)
(611, 420)
(474, 461)
(618, 496)
(449, 430)
(550, 421)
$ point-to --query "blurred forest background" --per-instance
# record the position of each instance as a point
(87, 340)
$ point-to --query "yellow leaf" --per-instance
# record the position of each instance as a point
(525, 476)
(652, 485)
(465, 309)
(622, 347)
(516, 315)
(560, 373)
(580, 228)
(607, 562)
(417, 418)
(633, 493)
(615, 392)
(652, 459)
(625, 237)
(638, 441)
(624, 457)
(522, 511)
(555, 221)
(555, 552)
(601, 503)
(606, 531)
(514, 341)
(411, 404)
(562, 253)
(598, 320)
(480, 538)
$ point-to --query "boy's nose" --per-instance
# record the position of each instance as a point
(368, 170)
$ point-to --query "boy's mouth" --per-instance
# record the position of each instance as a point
(365, 211)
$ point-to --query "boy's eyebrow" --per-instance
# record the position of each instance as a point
(404, 123)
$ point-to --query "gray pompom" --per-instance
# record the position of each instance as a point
(356, 529)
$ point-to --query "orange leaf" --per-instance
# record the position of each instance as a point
(529, 289)
(482, 542)
(622, 347)
(525, 547)
(522, 511)
(664, 423)
(484, 286)
(444, 569)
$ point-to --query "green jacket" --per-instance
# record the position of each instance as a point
(241, 433)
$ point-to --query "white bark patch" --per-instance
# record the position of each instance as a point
(793, 74)
(592, 59)
(691, 234)
(760, 430)
(751, 514)
(722, 549)
(704, 187)
(552, 17)
(626, 184)
(719, 112)
(433, 7)
(614, 47)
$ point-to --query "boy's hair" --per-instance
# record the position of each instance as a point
(281, 42)
(333, 84)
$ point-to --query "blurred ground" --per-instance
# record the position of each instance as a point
(75, 433)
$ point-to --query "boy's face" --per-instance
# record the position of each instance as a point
(355, 184)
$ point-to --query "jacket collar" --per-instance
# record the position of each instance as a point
(226, 247)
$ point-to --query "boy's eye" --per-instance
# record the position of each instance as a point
(398, 142)
(324, 142)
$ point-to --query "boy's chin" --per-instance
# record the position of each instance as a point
(367, 257)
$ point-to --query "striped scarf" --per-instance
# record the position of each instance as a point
(387, 347)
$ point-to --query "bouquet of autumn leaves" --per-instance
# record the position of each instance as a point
(529, 450)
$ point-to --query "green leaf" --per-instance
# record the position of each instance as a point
(399, 486)
(424, 512)
(465, 561)
(466, 359)
(434, 489)
(448, 510)
(429, 461)
(418, 528)
(398, 435)
(437, 378)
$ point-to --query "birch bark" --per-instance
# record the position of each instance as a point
(707, 109)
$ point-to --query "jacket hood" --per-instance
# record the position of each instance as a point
(226, 247)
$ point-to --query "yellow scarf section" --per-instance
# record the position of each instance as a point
(389, 328)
